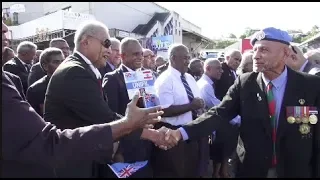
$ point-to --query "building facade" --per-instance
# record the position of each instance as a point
(124, 19)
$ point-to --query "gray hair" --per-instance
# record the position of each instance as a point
(45, 56)
(193, 61)
(26, 46)
(89, 28)
(230, 52)
(247, 57)
(114, 41)
(210, 62)
(126, 42)
(174, 48)
(158, 58)
(54, 41)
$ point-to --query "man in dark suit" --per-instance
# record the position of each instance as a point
(50, 59)
(21, 64)
(229, 66)
(298, 62)
(114, 58)
(33, 148)
(74, 96)
(279, 141)
(131, 149)
(36, 71)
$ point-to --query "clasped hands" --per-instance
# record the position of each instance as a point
(165, 138)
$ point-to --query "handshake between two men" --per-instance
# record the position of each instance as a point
(163, 137)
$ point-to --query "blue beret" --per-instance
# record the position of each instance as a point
(271, 34)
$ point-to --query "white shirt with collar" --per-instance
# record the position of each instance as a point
(92, 67)
(170, 91)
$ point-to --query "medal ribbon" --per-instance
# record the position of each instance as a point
(272, 110)
(297, 112)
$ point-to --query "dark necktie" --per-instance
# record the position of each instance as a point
(272, 109)
(27, 66)
(189, 93)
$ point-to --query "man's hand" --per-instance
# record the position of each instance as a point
(171, 139)
(197, 103)
(140, 117)
(158, 137)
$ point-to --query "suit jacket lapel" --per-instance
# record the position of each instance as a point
(226, 68)
(20, 65)
(264, 105)
(78, 58)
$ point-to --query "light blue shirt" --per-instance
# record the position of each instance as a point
(279, 85)
(111, 65)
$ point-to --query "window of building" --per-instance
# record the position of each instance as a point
(176, 24)
(179, 33)
(176, 31)
(179, 24)
(15, 19)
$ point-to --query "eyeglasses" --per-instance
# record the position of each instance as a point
(106, 43)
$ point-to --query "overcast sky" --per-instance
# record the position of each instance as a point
(222, 18)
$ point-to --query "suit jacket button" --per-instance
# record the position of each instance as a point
(266, 157)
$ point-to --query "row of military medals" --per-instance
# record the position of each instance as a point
(303, 116)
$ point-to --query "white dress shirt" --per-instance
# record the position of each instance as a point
(171, 91)
(93, 68)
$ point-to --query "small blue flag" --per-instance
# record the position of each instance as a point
(124, 170)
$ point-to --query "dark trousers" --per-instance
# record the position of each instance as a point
(181, 161)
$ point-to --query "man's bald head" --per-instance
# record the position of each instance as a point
(211, 62)
(212, 68)
(296, 58)
(131, 53)
(179, 57)
(148, 61)
(233, 58)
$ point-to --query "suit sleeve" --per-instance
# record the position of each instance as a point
(110, 89)
(33, 75)
(27, 138)
(218, 117)
(10, 68)
(84, 97)
(19, 86)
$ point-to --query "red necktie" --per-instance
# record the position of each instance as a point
(272, 110)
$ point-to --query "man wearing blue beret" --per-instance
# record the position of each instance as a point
(279, 109)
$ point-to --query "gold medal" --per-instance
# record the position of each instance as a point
(304, 129)
(305, 119)
(298, 120)
(291, 120)
(313, 119)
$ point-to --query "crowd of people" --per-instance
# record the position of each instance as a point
(68, 114)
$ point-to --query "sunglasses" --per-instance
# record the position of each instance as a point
(106, 43)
